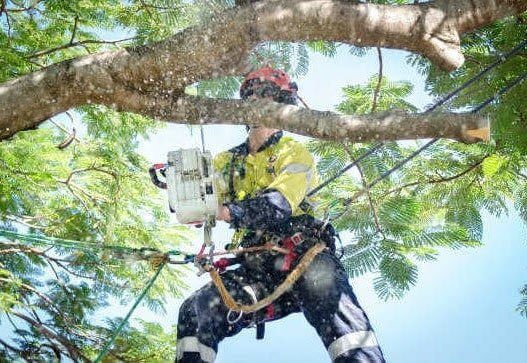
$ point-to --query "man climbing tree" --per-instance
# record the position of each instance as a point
(263, 185)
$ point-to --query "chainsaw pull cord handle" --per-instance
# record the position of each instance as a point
(154, 172)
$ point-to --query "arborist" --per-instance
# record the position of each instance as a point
(263, 185)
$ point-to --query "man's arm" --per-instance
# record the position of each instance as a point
(266, 211)
(294, 168)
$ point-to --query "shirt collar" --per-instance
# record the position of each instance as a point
(243, 149)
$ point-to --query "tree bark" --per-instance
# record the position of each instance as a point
(388, 126)
(161, 71)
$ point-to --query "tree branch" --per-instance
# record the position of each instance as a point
(62, 266)
(368, 192)
(74, 352)
(388, 126)
(370, 200)
(74, 31)
(72, 44)
(10, 347)
(43, 296)
(4, 10)
(13, 10)
(121, 77)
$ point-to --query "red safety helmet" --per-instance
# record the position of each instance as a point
(270, 82)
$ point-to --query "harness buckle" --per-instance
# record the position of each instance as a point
(296, 238)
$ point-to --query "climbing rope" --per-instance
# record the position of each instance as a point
(118, 330)
(143, 253)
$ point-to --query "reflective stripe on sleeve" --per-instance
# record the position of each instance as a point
(299, 168)
(192, 344)
(296, 168)
(351, 341)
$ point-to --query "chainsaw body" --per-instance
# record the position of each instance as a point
(188, 179)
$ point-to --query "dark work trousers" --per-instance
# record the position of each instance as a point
(323, 294)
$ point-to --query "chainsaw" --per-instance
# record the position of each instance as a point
(188, 178)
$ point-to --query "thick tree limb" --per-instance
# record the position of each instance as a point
(393, 125)
(221, 48)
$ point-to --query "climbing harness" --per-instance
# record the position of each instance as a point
(289, 281)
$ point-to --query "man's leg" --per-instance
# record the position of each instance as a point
(330, 306)
(202, 322)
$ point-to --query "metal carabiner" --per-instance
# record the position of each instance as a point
(236, 319)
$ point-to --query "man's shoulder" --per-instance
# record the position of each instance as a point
(289, 145)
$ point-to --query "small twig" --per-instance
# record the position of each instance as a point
(144, 6)
(82, 201)
(370, 199)
(10, 347)
(76, 44)
(74, 31)
(73, 351)
(379, 82)
(6, 12)
(43, 296)
(472, 59)
(435, 181)
(20, 248)
(520, 174)
(22, 222)
(93, 198)
(72, 272)
(158, 7)
(40, 66)
(91, 168)
(61, 283)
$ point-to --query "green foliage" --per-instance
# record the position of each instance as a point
(96, 190)
(435, 202)
(522, 306)
(150, 343)
(291, 57)
(358, 99)
(328, 49)
(505, 180)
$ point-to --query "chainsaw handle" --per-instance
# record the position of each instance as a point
(154, 176)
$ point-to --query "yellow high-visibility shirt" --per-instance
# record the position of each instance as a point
(285, 165)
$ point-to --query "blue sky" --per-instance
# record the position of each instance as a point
(462, 307)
